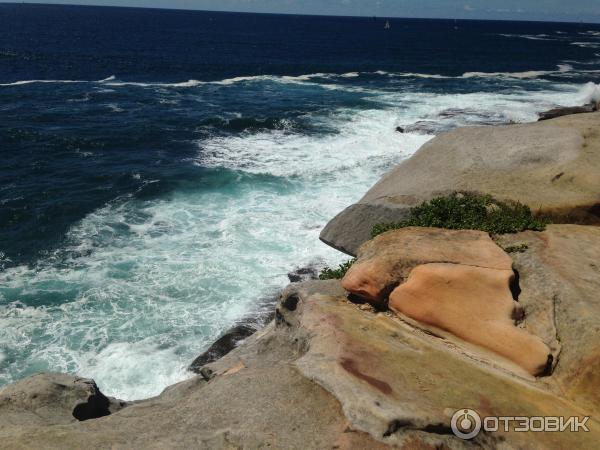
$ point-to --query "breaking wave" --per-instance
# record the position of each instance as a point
(313, 77)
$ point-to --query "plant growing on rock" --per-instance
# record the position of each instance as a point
(520, 248)
(472, 211)
(336, 274)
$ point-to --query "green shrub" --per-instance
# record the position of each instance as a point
(336, 274)
(469, 211)
(520, 248)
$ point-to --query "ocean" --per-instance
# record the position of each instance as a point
(163, 171)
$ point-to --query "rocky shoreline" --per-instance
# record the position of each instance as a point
(447, 320)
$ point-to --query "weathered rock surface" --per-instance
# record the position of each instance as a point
(386, 261)
(551, 166)
(328, 374)
(560, 293)
(456, 280)
(52, 399)
(402, 384)
(415, 381)
(475, 304)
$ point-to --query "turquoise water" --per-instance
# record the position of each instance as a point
(155, 191)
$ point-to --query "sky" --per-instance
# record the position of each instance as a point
(547, 10)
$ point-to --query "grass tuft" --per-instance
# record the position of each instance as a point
(336, 274)
(469, 211)
(520, 248)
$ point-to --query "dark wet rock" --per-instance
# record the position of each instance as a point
(427, 127)
(304, 274)
(222, 346)
(244, 328)
(207, 373)
(452, 118)
(400, 129)
(565, 111)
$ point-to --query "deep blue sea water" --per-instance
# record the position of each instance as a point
(162, 171)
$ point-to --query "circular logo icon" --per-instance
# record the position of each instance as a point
(466, 423)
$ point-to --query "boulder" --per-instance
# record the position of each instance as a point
(456, 280)
(551, 166)
(386, 261)
(53, 398)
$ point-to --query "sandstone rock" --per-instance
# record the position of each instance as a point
(473, 303)
(401, 384)
(387, 260)
(53, 398)
(456, 280)
(551, 166)
(560, 294)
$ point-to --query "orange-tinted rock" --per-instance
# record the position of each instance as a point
(473, 303)
(387, 260)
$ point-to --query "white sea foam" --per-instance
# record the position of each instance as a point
(23, 82)
(189, 83)
(562, 68)
(586, 44)
(152, 283)
(156, 282)
(528, 74)
(365, 138)
(532, 37)
(420, 75)
(590, 93)
(115, 108)
(306, 78)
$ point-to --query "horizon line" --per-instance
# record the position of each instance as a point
(296, 14)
